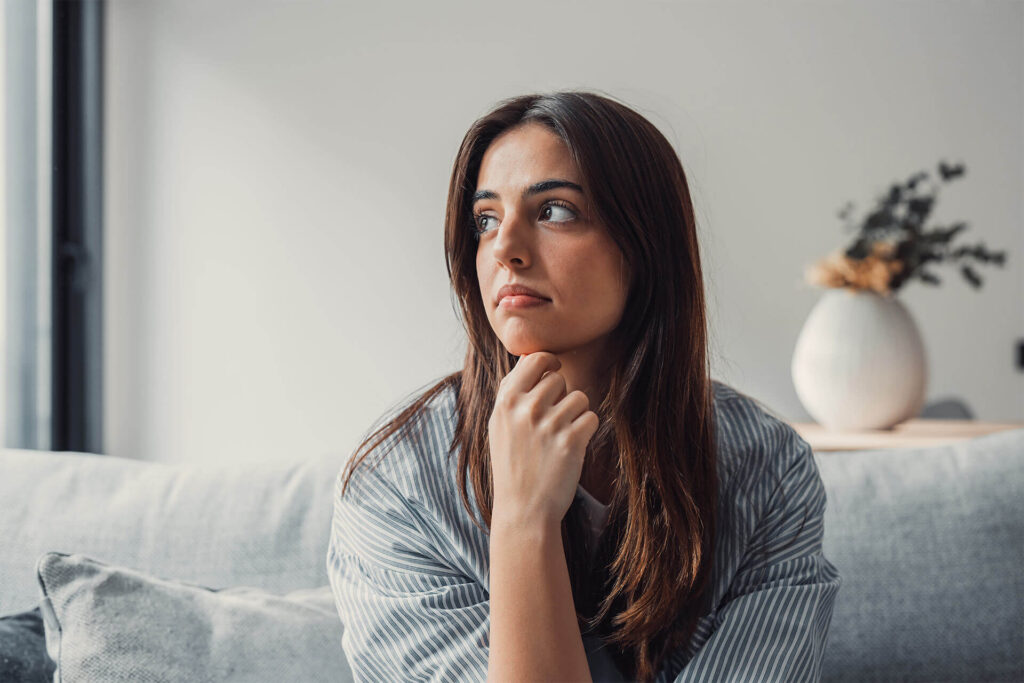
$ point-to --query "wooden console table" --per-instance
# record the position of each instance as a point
(909, 434)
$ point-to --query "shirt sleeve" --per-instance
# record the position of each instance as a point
(773, 621)
(406, 614)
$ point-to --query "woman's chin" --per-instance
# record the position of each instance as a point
(524, 347)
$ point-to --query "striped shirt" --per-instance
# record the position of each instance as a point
(409, 569)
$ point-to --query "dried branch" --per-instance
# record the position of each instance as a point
(893, 244)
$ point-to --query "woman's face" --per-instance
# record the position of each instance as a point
(535, 229)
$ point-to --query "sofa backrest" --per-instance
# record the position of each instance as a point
(930, 546)
(262, 525)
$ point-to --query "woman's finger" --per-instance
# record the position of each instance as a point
(549, 390)
(528, 371)
(585, 426)
(570, 407)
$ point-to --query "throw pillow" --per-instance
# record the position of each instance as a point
(111, 623)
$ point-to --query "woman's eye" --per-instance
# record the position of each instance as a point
(565, 211)
(481, 222)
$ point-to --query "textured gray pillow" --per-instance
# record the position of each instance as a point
(110, 623)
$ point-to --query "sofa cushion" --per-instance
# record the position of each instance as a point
(264, 525)
(109, 623)
(929, 544)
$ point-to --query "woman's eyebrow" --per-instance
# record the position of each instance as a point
(536, 188)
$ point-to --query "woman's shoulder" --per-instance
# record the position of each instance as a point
(415, 472)
(752, 440)
(415, 458)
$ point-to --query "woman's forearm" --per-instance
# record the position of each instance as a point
(534, 633)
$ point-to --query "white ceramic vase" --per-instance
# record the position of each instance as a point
(859, 362)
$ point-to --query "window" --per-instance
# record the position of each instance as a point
(51, 190)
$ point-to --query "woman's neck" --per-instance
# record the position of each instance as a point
(586, 369)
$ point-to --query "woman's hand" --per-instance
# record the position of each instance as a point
(538, 438)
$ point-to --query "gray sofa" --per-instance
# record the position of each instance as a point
(928, 541)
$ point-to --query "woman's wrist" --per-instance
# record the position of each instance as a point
(516, 522)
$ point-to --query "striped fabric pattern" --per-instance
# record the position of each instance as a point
(409, 570)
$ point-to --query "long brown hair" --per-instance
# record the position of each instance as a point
(649, 584)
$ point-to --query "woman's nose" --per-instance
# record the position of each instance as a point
(513, 242)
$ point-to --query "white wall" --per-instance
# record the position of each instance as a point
(276, 179)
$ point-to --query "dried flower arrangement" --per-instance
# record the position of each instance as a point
(892, 245)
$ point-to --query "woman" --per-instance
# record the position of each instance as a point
(612, 511)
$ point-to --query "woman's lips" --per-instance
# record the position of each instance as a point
(521, 301)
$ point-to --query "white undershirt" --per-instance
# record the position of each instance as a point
(597, 513)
